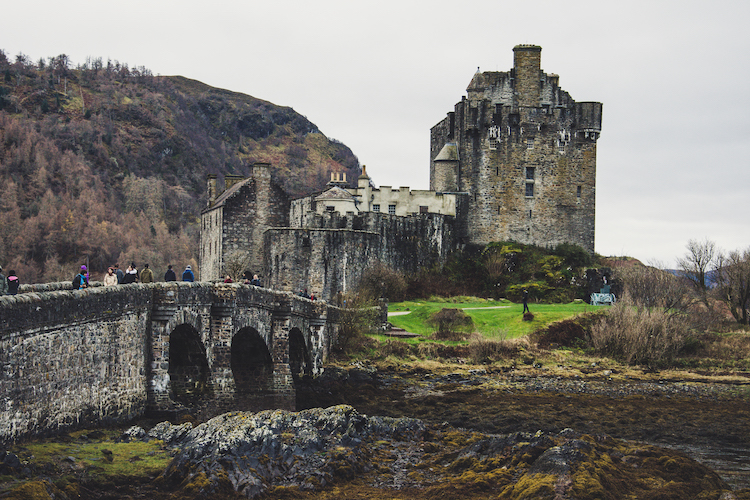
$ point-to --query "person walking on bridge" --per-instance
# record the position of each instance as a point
(147, 276)
(170, 275)
(13, 283)
(110, 279)
(188, 275)
(80, 281)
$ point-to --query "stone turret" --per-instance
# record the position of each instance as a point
(445, 169)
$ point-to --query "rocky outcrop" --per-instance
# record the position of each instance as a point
(258, 453)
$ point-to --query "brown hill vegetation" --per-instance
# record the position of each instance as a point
(105, 163)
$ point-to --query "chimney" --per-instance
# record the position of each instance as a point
(527, 61)
(232, 179)
(211, 187)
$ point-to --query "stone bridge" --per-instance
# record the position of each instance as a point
(111, 354)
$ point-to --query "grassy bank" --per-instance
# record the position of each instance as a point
(492, 318)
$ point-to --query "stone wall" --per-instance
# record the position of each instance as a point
(333, 252)
(72, 358)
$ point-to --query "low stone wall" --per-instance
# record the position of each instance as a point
(72, 358)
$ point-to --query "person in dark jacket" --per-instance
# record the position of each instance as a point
(131, 275)
(170, 275)
(119, 273)
(13, 283)
(526, 301)
(188, 275)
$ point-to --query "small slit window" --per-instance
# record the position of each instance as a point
(529, 189)
(578, 192)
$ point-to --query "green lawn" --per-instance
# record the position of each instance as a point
(491, 318)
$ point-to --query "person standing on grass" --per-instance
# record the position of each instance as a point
(526, 301)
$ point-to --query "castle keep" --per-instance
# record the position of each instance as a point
(514, 161)
(523, 154)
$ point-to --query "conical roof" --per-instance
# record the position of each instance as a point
(448, 153)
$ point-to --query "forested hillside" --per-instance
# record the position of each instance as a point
(103, 163)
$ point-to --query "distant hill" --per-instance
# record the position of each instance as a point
(106, 163)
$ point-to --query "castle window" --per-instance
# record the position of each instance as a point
(375, 207)
(578, 192)
(493, 143)
(529, 189)
(423, 209)
(392, 209)
(560, 147)
(530, 173)
(530, 143)
(330, 208)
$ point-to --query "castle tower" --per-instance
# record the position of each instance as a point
(524, 156)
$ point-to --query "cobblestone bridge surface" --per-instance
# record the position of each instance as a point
(107, 355)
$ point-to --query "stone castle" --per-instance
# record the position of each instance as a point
(514, 161)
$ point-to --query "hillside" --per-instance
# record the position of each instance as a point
(106, 163)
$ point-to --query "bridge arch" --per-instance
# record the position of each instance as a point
(251, 362)
(299, 355)
(189, 373)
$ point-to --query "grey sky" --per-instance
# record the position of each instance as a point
(673, 160)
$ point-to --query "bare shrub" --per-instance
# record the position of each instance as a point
(360, 316)
(567, 333)
(428, 350)
(639, 336)
(483, 350)
(395, 348)
(450, 323)
(650, 286)
(380, 281)
(732, 347)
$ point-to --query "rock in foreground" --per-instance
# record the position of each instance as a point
(284, 453)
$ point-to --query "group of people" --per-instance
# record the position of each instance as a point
(115, 276)
(9, 284)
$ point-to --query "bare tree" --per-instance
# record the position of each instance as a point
(236, 263)
(652, 287)
(697, 264)
(733, 283)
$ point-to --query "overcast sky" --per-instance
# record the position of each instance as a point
(673, 157)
